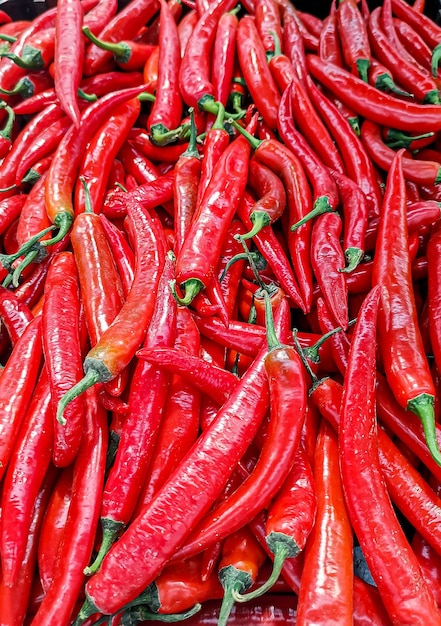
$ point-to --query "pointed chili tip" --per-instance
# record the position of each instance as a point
(191, 289)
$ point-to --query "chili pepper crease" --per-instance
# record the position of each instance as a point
(220, 313)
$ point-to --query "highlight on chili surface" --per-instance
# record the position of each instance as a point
(220, 312)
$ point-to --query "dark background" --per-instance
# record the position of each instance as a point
(27, 9)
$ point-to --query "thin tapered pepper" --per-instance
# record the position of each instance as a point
(327, 259)
(426, 27)
(187, 173)
(119, 342)
(53, 526)
(100, 153)
(195, 69)
(282, 68)
(81, 525)
(310, 40)
(62, 351)
(405, 362)
(353, 38)
(271, 197)
(23, 480)
(122, 253)
(149, 195)
(125, 24)
(216, 141)
(257, 75)
(195, 266)
(224, 51)
(14, 314)
(129, 55)
(267, 16)
(367, 101)
(326, 586)
(434, 292)
(242, 557)
(329, 40)
(99, 15)
(413, 43)
(10, 209)
(69, 56)
(209, 467)
(421, 172)
(373, 519)
(381, 78)
(358, 165)
(16, 385)
(147, 402)
(286, 381)
(166, 112)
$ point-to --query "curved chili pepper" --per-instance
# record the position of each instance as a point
(169, 153)
(194, 267)
(357, 163)
(224, 51)
(421, 172)
(426, 27)
(406, 369)
(147, 402)
(372, 104)
(329, 41)
(413, 43)
(16, 384)
(354, 38)
(242, 557)
(194, 74)
(62, 351)
(14, 314)
(124, 25)
(23, 480)
(268, 23)
(429, 561)
(258, 78)
(149, 195)
(209, 473)
(10, 209)
(81, 525)
(53, 526)
(122, 253)
(129, 55)
(404, 602)
(100, 153)
(326, 587)
(368, 608)
(355, 219)
(100, 14)
(282, 364)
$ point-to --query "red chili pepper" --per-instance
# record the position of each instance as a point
(195, 69)
(169, 153)
(53, 526)
(62, 351)
(403, 354)
(310, 40)
(358, 440)
(14, 313)
(357, 163)
(149, 195)
(329, 40)
(407, 74)
(242, 557)
(281, 364)
(16, 385)
(224, 51)
(81, 525)
(129, 55)
(209, 473)
(100, 153)
(425, 26)
(122, 26)
(10, 209)
(258, 78)
(100, 14)
(326, 586)
(122, 253)
(354, 38)
(421, 172)
(413, 43)
(372, 104)
(147, 402)
(434, 292)
(195, 267)
(381, 78)
(369, 610)
(267, 16)
(430, 562)
(23, 480)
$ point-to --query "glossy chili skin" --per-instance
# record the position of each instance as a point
(411, 602)
(327, 578)
(195, 69)
(354, 38)
(224, 50)
(17, 383)
(62, 351)
(426, 27)
(405, 362)
(14, 314)
(434, 292)
(357, 163)
(288, 407)
(209, 473)
(271, 195)
(367, 101)
(267, 16)
(69, 55)
(23, 479)
(166, 111)
(100, 153)
(252, 60)
(81, 525)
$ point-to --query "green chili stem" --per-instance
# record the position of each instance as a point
(110, 533)
(91, 377)
(191, 289)
(321, 205)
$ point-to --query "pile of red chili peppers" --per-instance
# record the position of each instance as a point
(220, 307)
